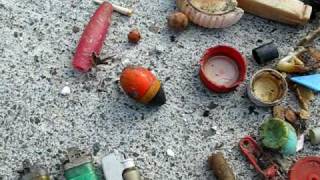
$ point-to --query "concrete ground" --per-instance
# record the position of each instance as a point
(39, 124)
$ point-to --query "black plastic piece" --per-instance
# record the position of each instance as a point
(160, 98)
(265, 53)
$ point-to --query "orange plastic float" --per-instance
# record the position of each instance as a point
(142, 85)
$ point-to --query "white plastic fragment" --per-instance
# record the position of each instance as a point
(112, 166)
(170, 153)
(119, 9)
(65, 91)
(300, 142)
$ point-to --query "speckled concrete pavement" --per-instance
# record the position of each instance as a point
(36, 123)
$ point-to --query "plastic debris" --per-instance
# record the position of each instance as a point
(310, 37)
(304, 115)
(220, 167)
(33, 172)
(170, 153)
(265, 53)
(279, 135)
(292, 12)
(256, 157)
(300, 143)
(291, 115)
(307, 168)
(222, 68)
(119, 9)
(79, 165)
(130, 172)
(65, 91)
(112, 167)
(279, 112)
(314, 53)
(92, 38)
(142, 85)
(267, 87)
(305, 97)
(211, 14)
(291, 63)
(314, 135)
(310, 81)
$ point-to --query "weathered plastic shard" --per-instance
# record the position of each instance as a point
(315, 53)
(279, 135)
(291, 64)
(211, 13)
(279, 112)
(112, 166)
(293, 12)
(310, 81)
(305, 97)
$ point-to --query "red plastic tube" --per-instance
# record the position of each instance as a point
(93, 37)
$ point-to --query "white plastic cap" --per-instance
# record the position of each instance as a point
(128, 163)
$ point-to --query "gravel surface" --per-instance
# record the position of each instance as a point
(38, 38)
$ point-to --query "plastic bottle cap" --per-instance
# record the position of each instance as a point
(307, 168)
(128, 163)
(222, 68)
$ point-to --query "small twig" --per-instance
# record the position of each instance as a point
(119, 9)
(97, 60)
(310, 37)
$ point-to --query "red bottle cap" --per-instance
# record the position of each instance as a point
(222, 68)
(306, 169)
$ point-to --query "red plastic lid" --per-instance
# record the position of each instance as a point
(306, 169)
(232, 55)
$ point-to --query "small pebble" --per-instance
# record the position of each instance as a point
(65, 91)
(170, 153)
(75, 29)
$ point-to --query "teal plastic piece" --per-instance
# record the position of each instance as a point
(290, 148)
(82, 172)
(279, 135)
(310, 81)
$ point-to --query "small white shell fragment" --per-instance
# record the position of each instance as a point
(65, 91)
(170, 153)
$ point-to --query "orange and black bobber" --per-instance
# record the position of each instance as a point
(142, 85)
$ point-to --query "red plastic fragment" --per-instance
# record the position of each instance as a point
(230, 52)
(307, 168)
(93, 37)
(254, 153)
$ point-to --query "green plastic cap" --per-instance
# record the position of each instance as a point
(274, 133)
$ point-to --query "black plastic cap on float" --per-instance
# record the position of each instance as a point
(265, 53)
(159, 99)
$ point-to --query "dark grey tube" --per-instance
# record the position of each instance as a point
(265, 53)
